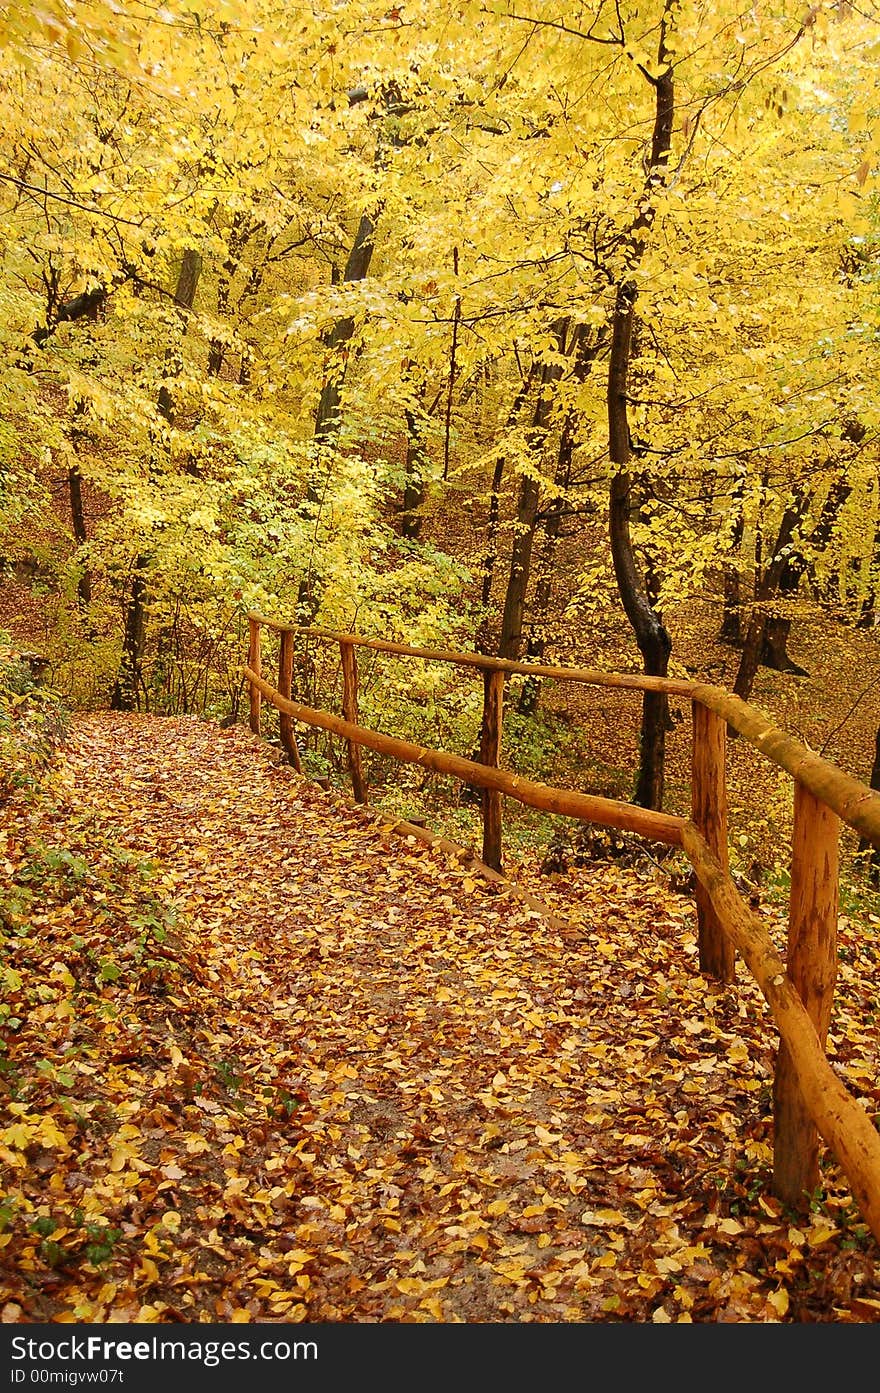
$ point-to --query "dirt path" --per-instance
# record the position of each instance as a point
(295, 1069)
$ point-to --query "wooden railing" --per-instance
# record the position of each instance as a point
(809, 1099)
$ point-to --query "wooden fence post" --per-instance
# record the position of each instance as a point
(490, 753)
(350, 713)
(285, 685)
(709, 811)
(812, 967)
(254, 665)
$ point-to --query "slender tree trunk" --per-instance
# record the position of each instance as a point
(490, 556)
(650, 633)
(767, 579)
(535, 644)
(84, 583)
(336, 342)
(731, 617)
(651, 636)
(510, 640)
(239, 235)
(731, 579)
(774, 652)
(129, 680)
(416, 471)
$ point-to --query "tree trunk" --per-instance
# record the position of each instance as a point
(767, 583)
(415, 470)
(651, 636)
(585, 353)
(490, 556)
(129, 680)
(528, 698)
(356, 268)
(731, 618)
(731, 580)
(510, 640)
(327, 414)
(650, 633)
(84, 583)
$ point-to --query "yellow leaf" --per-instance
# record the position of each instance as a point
(820, 1231)
(779, 1301)
(547, 1137)
(729, 1226)
(601, 1218)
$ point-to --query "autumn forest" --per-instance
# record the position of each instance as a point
(439, 701)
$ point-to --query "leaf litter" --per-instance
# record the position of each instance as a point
(264, 1060)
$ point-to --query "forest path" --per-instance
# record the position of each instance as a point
(349, 1081)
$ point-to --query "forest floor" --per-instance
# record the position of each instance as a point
(268, 1061)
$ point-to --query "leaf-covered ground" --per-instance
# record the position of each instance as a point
(264, 1060)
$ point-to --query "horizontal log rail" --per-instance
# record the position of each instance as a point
(854, 802)
(660, 827)
(809, 1099)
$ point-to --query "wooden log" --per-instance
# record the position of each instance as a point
(853, 801)
(350, 712)
(636, 682)
(841, 1120)
(285, 683)
(660, 827)
(709, 812)
(490, 753)
(812, 967)
(256, 669)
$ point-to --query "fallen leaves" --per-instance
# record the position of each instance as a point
(329, 1080)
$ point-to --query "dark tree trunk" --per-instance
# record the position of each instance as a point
(535, 644)
(490, 556)
(731, 579)
(650, 633)
(510, 639)
(774, 651)
(84, 306)
(731, 616)
(238, 237)
(129, 681)
(415, 470)
(356, 268)
(777, 627)
(336, 342)
(767, 582)
(84, 583)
